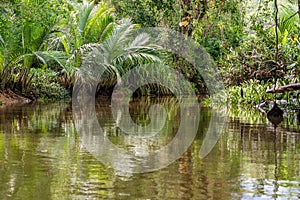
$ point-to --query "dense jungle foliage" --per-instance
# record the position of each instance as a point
(255, 44)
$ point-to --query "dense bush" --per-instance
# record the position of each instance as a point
(45, 84)
(24, 29)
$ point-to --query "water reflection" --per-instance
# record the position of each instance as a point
(41, 157)
(144, 154)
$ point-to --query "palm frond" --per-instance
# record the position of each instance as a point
(124, 49)
(59, 57)
(140, 40)
(288, 17)
(84, 15)
(137, 55)
(99, 24)
(139, 51)
(118, 39)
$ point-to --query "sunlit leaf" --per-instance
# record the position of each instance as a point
(184, 24)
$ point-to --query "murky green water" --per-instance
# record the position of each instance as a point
(42, 157)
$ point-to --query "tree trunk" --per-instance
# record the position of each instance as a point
(299, 8)
(276, 30)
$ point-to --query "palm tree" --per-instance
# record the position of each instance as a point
(87, 23)
(26, 26)
(92, 27)
(123, 49)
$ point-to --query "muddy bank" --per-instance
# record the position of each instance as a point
(9, 97)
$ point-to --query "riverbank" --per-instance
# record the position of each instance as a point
(9, 97)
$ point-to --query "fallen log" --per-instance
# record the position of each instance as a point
(285, 88)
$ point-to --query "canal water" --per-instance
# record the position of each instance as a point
(42, 156)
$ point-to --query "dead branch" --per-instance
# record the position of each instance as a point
(284, 88)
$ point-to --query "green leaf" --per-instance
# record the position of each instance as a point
(84, 15)
(59, 57)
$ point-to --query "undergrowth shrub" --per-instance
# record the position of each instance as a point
(45, 85)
